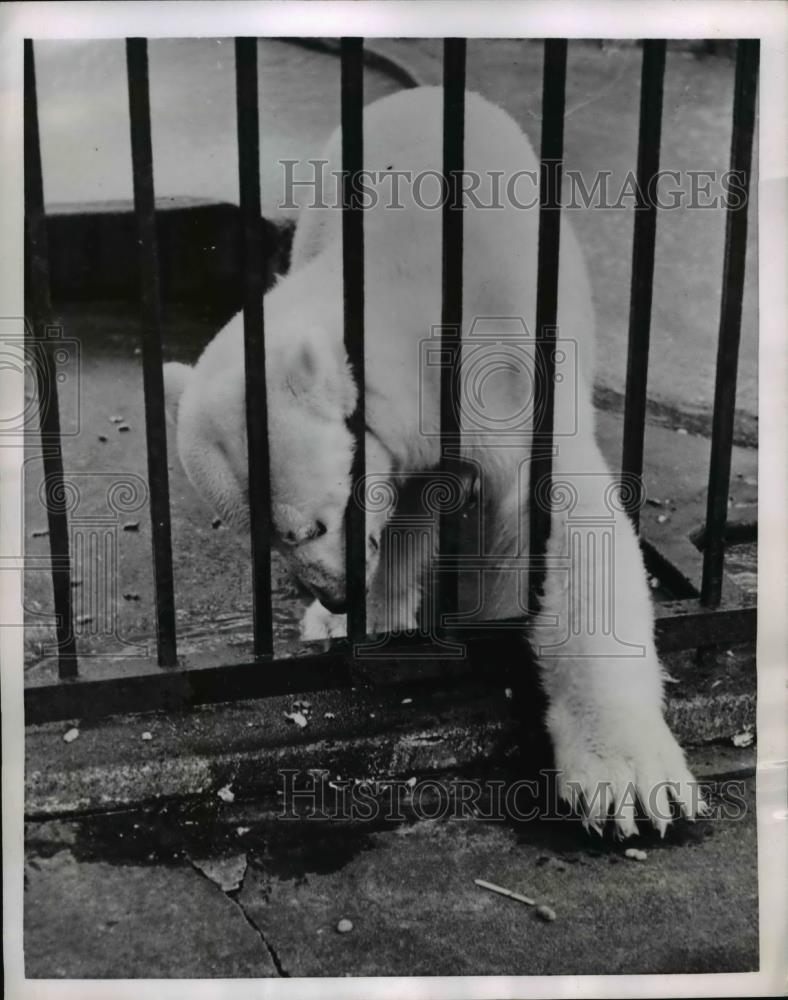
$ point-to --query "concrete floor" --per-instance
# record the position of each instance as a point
(236, 891)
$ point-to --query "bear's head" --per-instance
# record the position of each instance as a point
(311, 394)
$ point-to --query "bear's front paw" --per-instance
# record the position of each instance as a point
(603, 771)
(319, 623)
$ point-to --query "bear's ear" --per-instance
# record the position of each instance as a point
(321, 378)
(176, 378)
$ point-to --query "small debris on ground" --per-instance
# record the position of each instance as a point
(116, 419)
(662, 518)
(329, 715)
(103, 438)
(345, 926)
(411, 782)
(407, 701)
(653, 582)
(744, 738)
(297, 717)
(546, 913)
(241, 830)
(83, 619)
(302, 706)
(76, 583)
(216, 523)
(635, 854)
(669, 678)
(226, 794)
(122, 428)
(70, 736)
(131, 526)
(41, 533)
(147, 736)
(131, 596)
(653, 502)
(509, 693)
(682, 430)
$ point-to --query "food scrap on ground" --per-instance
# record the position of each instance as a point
(744, 738)
(226, 794)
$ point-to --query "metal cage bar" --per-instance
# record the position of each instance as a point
(550, 174)
(39, 309)
(248, 125)
(454, 51)
(352, 101)
(745, 90)
(152, 372)
(642, 284)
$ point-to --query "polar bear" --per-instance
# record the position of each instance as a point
(593, 638)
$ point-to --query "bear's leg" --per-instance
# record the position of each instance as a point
(593, 639)
(320, 623)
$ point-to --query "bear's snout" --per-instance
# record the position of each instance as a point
(336, 605)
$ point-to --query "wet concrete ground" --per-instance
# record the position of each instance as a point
(232, 889)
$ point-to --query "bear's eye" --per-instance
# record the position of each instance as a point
(319, 530)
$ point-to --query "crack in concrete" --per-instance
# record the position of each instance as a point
(283, 973)
(232, 896)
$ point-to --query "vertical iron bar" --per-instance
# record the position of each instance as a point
(454, 51)
(153, 378)
(551, 164)
(352, 88)
(247, 99)
(642, 283)
(38, 307)
(745, 89)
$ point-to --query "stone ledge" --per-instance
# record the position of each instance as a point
(365, 733)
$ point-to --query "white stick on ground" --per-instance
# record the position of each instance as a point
(504, 892)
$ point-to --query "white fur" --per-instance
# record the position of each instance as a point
(604, 695)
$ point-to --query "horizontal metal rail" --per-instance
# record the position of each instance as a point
(679, 625)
